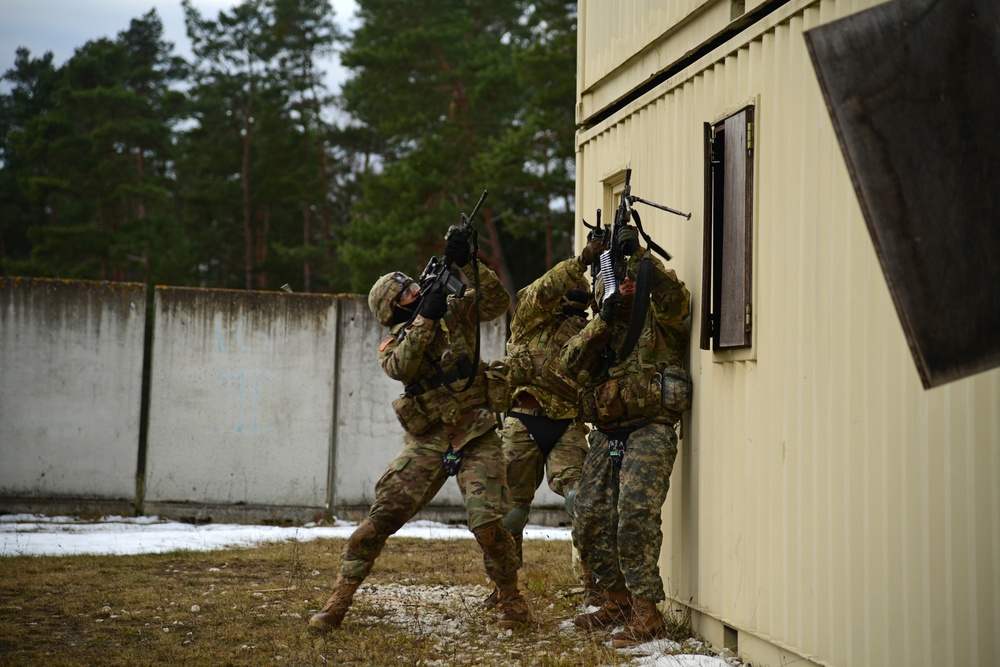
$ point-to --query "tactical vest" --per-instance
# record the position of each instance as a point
(531, 367)
(647, 385)
(438, 394)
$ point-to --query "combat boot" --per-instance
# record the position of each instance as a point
(592, 595)
(514, 612)
(616, 610)
(646, 625)
(490, 601)
(332, 613)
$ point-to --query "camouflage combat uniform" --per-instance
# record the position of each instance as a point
(544, 398)
(617, 517)
(434, 418)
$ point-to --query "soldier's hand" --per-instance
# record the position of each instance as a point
(627, 240)
(592, 250)
(610, 307)
(456, 250)
(434, 305)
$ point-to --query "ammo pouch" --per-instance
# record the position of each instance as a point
(410, 416)
(638, 394)
(676, 389)
(417, 414)
(497, 386)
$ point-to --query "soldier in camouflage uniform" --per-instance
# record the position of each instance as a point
(634, 404)
(542, 432)
(449, 430)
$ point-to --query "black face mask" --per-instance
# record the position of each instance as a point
(570, 311)
(574, 302)
(403, 313)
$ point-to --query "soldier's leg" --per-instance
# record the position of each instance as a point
(525, 470)
(595, 519)
(594, 525)
(409, 482)
(645, 480)
(563, 467)
(483, 483)
(565, 463)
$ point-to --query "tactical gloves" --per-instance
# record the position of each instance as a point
(627, 240)
(610, 307)
(456, 250)
(434, 305)
(592, 250)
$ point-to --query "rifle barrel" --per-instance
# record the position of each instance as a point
(480, 203)
(662, 207)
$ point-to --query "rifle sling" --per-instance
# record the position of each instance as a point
(464, 369)
(650, 242)
(640, 307)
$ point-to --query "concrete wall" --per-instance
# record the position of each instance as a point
(70, 388)
(241, 397)
(262, 405)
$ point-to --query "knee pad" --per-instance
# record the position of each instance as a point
(516, 520)
(571, 501)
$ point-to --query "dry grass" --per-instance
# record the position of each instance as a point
(249, 607)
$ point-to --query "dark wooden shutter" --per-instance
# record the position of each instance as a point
(733, 269)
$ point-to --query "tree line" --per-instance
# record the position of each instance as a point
(238, 168)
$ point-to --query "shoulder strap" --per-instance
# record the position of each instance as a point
(640, 306)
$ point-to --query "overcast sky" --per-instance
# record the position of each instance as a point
(61, 26)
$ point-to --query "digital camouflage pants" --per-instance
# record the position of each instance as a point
(410, 482)
(617, 519)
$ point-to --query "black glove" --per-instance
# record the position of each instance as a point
(592, 250)
(610, 307)
(627, 240)
(434, 305)
(456, 250)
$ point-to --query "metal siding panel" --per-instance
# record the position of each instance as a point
(822, 500)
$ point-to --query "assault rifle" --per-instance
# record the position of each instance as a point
(438, 274)
(610, 266)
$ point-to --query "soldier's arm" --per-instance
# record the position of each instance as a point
(546, 292)
(544, 295)
(494, 300)
(582, 351)
(401, 359)
(670, 299)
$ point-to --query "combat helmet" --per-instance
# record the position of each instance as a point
(385, 293)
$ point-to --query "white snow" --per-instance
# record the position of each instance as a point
(37, 535)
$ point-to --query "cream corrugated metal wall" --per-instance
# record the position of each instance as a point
(823, 501)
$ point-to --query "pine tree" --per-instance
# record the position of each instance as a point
(96, 161)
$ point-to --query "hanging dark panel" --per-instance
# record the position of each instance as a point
(913, 89)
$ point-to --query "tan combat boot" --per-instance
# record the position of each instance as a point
(514, 612)
(646, 625)
(592, 595)
(616, 610)
(490, 601)
(332, 613)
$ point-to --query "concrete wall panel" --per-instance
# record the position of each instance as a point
(241, 398)
(70, 388)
